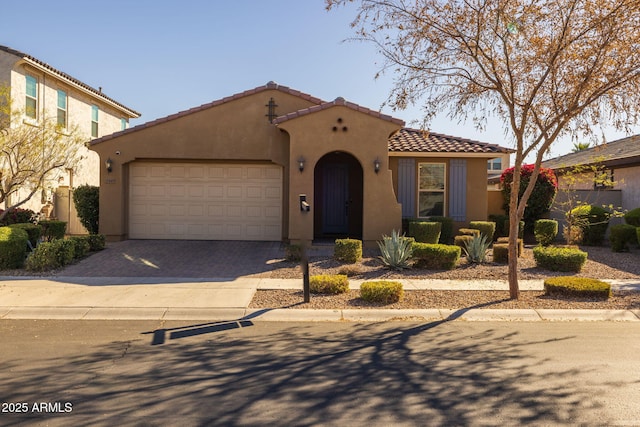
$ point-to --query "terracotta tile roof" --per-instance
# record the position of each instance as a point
(98, 93)
(419, 141)
(269, 86)
(338, 101)
(615, 153)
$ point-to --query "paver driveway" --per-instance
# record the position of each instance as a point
(180, 258)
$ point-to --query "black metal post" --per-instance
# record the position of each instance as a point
(305, 275)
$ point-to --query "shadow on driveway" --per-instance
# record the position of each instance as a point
(180, 258)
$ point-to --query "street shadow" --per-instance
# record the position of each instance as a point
(314, 374)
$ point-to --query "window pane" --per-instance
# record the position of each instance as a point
(497, 164)
(431, 203)
(94, 113)
(32, 87)
(30, 109)
(62, 99)
(123, 124)
(94, 129)
(62, 118)
(431, 176)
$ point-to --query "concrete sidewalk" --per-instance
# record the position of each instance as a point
(224, 299)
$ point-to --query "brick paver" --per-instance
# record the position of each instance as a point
(180, 258)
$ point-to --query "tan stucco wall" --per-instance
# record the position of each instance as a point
(476, 185)
(366, 138)
(236, 130)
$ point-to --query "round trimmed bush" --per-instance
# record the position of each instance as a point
(621, 236)
(329, 284)
(436, 256)
(633, 217)
(486, 228)
(348, 250)
(383, 291)
(593, 221)
(577, 286)
(13, 247)
(545, 231)
(446, 230)
(559, 259)
(86, 199)
(34, 231)
(425, 232)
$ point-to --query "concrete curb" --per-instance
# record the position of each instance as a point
(310, 315)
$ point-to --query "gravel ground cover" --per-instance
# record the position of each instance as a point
(602, 263)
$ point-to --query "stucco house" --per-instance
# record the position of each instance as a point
(617, 161)
(273, 163)
(41, 91)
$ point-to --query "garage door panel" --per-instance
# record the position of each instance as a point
(205, 201)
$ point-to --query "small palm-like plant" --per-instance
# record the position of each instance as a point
(476, 249)
(395, 250)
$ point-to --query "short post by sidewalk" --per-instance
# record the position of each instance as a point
(305, 274)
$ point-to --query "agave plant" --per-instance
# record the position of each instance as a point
(476, 249)
(395, 250)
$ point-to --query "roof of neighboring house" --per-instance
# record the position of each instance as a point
(621, 152)
(420, 141)
(98, 93)
(337, 102)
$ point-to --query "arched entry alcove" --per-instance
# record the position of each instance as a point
(338, 196)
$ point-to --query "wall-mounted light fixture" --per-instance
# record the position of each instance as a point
(109, 164)
(301, 163)
(376, 165)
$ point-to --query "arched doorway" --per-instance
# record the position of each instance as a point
(338, 196)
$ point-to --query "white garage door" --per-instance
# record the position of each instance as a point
(205, 201)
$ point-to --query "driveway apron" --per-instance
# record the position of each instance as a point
(180, 258)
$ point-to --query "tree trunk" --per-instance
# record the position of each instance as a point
(514, 225)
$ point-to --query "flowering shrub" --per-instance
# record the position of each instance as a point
(18, 216)
(542, 196)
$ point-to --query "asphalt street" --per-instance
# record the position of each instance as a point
(106, 373)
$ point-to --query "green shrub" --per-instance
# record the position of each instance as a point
(463, 241)
(51, 255)
(13, 247)
(446, 229)
(348, 250)
(81, 246)
(487, 228)
(621, 236)
(43, 258)
(502, 225)
(436, 256)
(593, 221)
(383, 291)
(425, 232)
(329, 284)
(86, 199)
(545, 231)
(501, 253)
(396, 250)
(577, 286)
(52, 230)
(559, 259)
(66, 250)
(633, 217)
(476, 249)
(18, 216)
(469, 232)
(34, 231)
(293, 253)
(520, 244)
(97, 242)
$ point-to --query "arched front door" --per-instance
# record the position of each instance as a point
(338, 196)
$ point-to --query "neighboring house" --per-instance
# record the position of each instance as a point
(273, 163)
(41, 91)
(619, 161)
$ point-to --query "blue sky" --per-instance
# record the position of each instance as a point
(160, 57)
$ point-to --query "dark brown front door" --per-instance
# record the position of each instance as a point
(335, 201)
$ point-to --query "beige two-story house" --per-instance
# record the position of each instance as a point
(40, 92)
